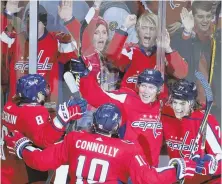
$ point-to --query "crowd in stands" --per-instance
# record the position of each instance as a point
(119, 49)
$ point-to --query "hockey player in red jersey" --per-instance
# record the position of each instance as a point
(27, 114)
(134, 58)
(98, 158)
(53, 48)
(181, 121)
(141, 111)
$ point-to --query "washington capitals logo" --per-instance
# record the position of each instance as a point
(144, 125)
(24, 65)
(181, 145)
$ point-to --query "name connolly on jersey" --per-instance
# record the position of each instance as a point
(144, 125)
(97, 147)
(181, 144)
(24, 65)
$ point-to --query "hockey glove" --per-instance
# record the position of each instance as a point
(80, 66)
(16, 142)
(185, 168)
(81, 102)
(206, 165)
(71, 111)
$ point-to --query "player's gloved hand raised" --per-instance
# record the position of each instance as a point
(81, 102)
(206, 165)
(16, 142)
(72, 110)
(80, 66)
(185, 168)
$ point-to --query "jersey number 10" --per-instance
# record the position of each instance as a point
(92, 170)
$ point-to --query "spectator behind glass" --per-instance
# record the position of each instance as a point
(173, 9)
(194, 42)
(107, 74)
(98, 33)
(132, 58)
(80, 10)
(53, 48)
(115, 13)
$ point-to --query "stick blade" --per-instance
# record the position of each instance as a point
(70, 81)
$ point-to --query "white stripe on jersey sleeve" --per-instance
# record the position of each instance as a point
(161, 169)
(120, 97)
(128, 54)
(67, 47)
(31, 148)
(6, 39)
(211, 139)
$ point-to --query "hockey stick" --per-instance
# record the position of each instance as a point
(203, 127)
(87, 20)
(214, 44)
(70, 81)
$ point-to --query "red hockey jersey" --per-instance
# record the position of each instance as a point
(131, 59)
(52, 47)
(93, 158)
(4, 54)
(180, 135)
(34, 122)
(142, 120)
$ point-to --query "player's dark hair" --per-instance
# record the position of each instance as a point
(16, 99)
(202, 5)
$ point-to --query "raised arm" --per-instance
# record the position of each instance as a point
(116, 51)
(176, 66)
(90, 88)
(72, 24)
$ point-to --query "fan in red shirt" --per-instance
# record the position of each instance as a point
(181, 122)
(134, 58)
(98, 158)
(52, 49)
(27, 114)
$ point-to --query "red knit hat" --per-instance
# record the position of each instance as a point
(100, 20)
